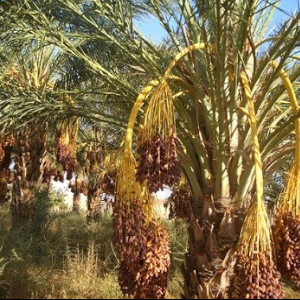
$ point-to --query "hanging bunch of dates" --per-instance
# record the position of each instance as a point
(6, 148)
(180, 203)
(66, 141)
(51, 171)
(158, 161)
(256, 277)
(29, 155)
(141, 242)
(255, 273)
(30, 152)
(108, 181)
(101, 175)
(286, 229)
(287, 240)
(143, 250)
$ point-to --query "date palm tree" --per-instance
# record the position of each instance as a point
(215, 143)
(25, 75)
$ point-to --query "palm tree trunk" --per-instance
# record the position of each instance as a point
(3, 185)
(29, 171)
(213, 232)
(94, 198)
(77, 188)
(76, 202)
(22, 205)
(5, 161)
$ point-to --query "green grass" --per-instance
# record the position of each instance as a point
(57, 256)
(60, 256)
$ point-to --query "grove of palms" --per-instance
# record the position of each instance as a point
(211, 112)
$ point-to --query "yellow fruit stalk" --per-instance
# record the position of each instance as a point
(142, 242)
(287, 218)
(255, 273)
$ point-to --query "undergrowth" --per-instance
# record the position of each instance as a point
(59, 256)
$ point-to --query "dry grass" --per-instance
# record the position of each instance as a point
(69, 259)
(65, 258)
(290, 292)
(81, 277)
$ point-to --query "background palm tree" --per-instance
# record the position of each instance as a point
(31, 74)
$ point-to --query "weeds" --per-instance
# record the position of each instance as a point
(60, 256)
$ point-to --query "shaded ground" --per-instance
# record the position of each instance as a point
(61, 257)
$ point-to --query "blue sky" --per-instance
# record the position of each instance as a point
(153, 30)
